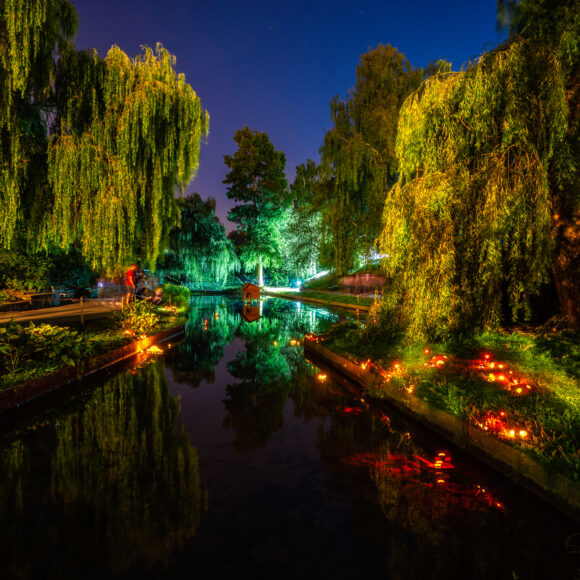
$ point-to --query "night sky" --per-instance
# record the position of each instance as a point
(274, 66)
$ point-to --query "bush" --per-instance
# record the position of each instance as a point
(176, 295)
(139, 318)
(21, 346)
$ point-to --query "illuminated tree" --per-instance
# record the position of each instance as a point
(199, 252)
(115, 170)
(303, 232)
(31, 32)
(257, 179)
(467, 227)
(358, 158)
(553, 25)
(92, 150)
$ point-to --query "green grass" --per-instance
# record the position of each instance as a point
(335, 297)
(548, 361)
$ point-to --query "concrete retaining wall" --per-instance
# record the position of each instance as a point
(520, 467)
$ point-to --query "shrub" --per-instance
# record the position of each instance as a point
(138, 318)
(176, 295)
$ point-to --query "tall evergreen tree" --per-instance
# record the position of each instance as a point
(257, 179)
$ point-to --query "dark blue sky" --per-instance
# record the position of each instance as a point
(274, 66)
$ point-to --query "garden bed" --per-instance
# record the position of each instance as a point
(534, 474)
(17, 395)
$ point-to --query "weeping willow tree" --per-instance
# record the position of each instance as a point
(358, 158)
(199, 253)
(467, 228)
(31, 32)
(115, 168)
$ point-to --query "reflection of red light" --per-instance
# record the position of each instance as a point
(352, 410)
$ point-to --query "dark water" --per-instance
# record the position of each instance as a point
(232, 454)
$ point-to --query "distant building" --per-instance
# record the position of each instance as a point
(250, 292)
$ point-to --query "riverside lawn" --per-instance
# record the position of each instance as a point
(523, 387)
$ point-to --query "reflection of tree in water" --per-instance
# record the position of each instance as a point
(123, 479)
(210, 328)
(442, 526)
(273, 356)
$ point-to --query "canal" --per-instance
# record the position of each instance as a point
(230, 453)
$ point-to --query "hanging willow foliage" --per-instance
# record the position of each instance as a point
(199, 253)
(114, 177)
(30, 31)
(467, 227)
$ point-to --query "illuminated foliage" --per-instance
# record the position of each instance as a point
(199, 252)
(257, 179)
(114, 180)
(303, 232)
(92, 149)
(358, 157)
(553, 25)
(30, 31)
(467, 227)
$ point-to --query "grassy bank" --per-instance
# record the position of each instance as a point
(522, 387)
(31, 351)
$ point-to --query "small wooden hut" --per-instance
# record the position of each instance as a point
(250, 292)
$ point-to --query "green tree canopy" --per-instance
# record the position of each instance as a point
(114, 172)
(358, 157)
(199, 252)
(32, 32)
(257, 179)
(467, 227)
(91, 150)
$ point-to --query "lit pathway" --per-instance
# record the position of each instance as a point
(63, 315)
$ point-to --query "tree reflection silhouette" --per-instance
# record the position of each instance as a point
(123, 478)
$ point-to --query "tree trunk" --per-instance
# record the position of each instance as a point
(566, 232)
(260, 273)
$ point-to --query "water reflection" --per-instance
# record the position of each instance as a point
(229, 455)
(100, 487)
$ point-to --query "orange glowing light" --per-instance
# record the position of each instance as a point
(518, 390)
(523, 433)
(486, 356)
(321, 377)
(426, 351)
(500, 366)
(275, 343)
(154, 350)
(512, 433)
